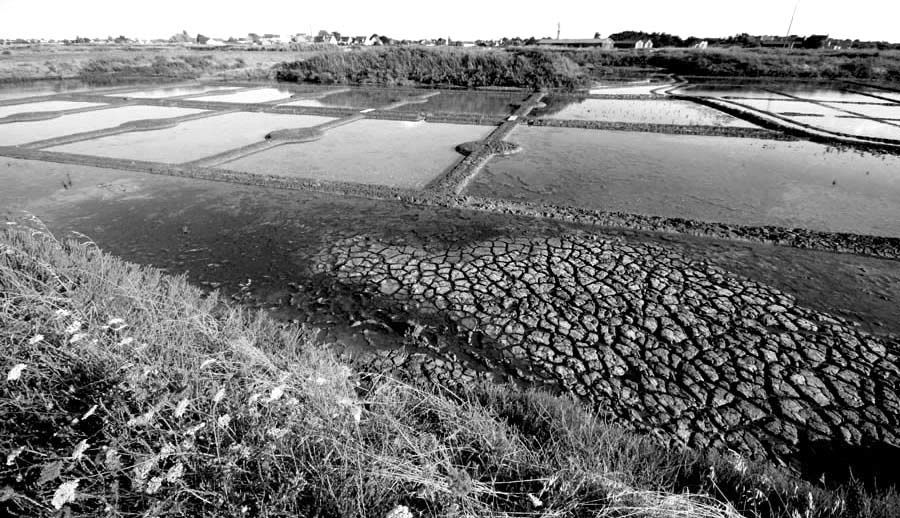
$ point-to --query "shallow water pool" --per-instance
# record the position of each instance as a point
(719, 179)
(172, 91)
(391, 153)
(16, 133)
(194, 139)
(644, 112)
(44, 106)
(259, 95)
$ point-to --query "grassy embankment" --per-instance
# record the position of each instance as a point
(99, 65)
(129, 392)
(881, 66)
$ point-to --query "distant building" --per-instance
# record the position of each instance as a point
(634, 44)
(602, 43)
(784, 42)
(328, 40)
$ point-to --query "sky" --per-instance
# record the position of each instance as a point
(458, 19)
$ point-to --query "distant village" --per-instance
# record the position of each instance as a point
(622, 40)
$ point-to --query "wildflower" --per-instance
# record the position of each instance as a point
(355, 410)
(219, 395)
(112, 460)
(181, 407)
(16, 372)
(73, 327)
(64, 494)
(276, 394)
(224, 421)
(11, 457)
(142, 470)
(174, 473)
(166, 451)
(80, 449)
(276, 433)
(401, 511)
(35, 339)
(116, 324)
(125, 341)
(141, 420)
(194, 429)
(154, 485)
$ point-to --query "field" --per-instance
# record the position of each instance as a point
(398, 297)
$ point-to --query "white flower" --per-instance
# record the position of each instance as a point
(174, 473)
(62, 313)
(181, 407)
(219, 395)
(276, 433)
(73, 327)
(276, 394)
(535, 501)
(16, 372)
(224, 421)
(125, 341)
(64, 494)
(80, 449)
(11, 458)
(35, 339)
(401, 511)
(154, 485)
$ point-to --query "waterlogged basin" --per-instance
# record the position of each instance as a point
(194, 139)
(786, 106)
(37, 88)
(16, 133)
(720, 179)
(878, 111)
(853, 126)
(44, 106)
(172, 91)
(629, 89)
(485, 103)
(648, 112)
(727, 91)
(357, 99)
(392, 153)
(259, 95)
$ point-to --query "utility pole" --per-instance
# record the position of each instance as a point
(557, 30)
(791, 25)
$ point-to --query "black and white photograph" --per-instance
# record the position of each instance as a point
(410, 259)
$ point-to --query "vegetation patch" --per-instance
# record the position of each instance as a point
(528, 68)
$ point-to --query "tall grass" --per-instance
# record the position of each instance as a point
(126, 392)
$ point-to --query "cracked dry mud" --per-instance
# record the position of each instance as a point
(665, 344)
